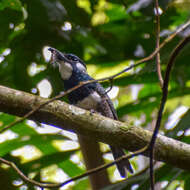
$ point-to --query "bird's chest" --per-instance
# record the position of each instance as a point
(85, 97)
(90, 102)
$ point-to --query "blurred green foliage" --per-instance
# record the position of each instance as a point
(108, 36)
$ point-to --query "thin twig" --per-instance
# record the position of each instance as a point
(172, 59)
(158, 43)
(158, 67)
(89, 172)
(111, 86)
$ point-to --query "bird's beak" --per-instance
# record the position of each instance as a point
(57, 56)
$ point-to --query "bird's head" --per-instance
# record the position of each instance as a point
(67, 63)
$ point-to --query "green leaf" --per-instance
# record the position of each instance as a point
(12, 4)
(164, 173)
(47, 160)
(70, 168)
(116, 12)
(43, 142)
(81, 185)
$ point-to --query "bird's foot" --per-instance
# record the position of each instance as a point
(92, 111)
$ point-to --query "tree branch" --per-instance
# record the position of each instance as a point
(64, 116)
(110, 78)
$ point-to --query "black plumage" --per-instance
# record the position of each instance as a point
(104, 105)
(82, 92)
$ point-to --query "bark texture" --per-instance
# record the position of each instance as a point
(97, 127)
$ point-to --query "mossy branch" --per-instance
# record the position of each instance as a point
(65, 116)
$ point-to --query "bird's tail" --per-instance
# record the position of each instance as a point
(124, 165)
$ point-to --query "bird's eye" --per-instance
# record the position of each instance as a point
(72, 58)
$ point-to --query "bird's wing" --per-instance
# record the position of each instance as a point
(107, 109)
(106, 103)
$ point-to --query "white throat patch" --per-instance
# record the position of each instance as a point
(65, 70)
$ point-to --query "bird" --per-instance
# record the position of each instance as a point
(91, 96)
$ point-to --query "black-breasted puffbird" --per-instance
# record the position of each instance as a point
(90, 96)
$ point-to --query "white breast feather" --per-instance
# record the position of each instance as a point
(90, 102)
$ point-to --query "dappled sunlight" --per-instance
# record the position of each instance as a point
(7, 135)
(108, 36)
(27, 153)
(44, 88)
